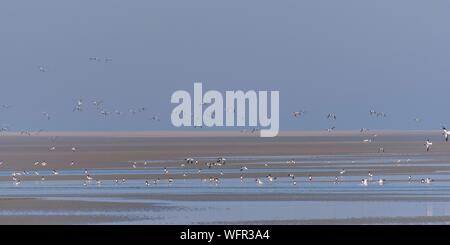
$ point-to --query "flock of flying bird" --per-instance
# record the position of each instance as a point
(80, 106)
(98, 105)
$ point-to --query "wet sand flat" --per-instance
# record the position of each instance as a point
(142, 178)
(117, 150)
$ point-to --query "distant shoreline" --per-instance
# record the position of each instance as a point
(200, 133)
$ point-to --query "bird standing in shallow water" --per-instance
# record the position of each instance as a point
(428, 145)
(365, 182)
(258, 181)
(445, 133)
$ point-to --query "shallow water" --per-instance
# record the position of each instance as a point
(350, 198)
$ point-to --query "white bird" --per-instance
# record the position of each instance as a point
(426, 181)
(55, 172)
(365, 182)
(78, 106)
(46, 115)
(42, 69)
(298, 113)
(104, 113)
(362, 130)
(258, 181)
(331, 116)
(189, 160)
(445, 133)
(221, 160)
(428, 145)
(97, 103)
(381, 181)
(292, 161)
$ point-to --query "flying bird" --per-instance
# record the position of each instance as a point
(331, 116)
(298, 113)
(78, 106)
(46, 115)
(42, 69)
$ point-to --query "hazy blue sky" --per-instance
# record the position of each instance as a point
(345, 57)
